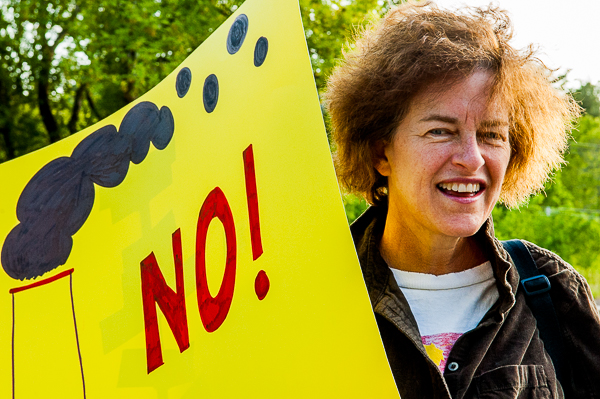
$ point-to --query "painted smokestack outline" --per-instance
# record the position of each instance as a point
(59, 197)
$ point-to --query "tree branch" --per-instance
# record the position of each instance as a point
(44, 107)
(90, 102)
(76, 108)
(8, 144)
(43, 83)
(223, 12)
(63, 32)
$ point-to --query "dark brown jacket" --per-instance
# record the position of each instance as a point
(503, 357)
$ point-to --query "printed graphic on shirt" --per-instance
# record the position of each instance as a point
(438, 347)
(435, 354)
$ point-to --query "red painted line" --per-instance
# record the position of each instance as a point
(252, 197)
(42, 282)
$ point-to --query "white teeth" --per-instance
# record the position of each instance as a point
(461, 187)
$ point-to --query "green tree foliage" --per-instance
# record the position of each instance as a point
(566, 218)
(354, 206)
(329, 24)
(30, 33)
(66, 64)
(588, 96)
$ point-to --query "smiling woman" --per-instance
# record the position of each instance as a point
(437, 118)
(448, 141)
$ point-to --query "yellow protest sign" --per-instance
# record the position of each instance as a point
(194, 243)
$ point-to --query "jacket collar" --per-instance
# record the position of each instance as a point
(384, 293)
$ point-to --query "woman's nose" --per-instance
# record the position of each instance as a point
(468, 154)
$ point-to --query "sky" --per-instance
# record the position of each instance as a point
(567, 31)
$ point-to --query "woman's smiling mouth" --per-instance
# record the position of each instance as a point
(461, 189)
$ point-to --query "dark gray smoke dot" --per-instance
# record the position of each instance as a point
(237, 34)
(53, 206)
(144, 123)
(260, 51)
(210, 93)
(184, 81)
(163, 133)
(30, 251)
(58, 194)
(104, 156)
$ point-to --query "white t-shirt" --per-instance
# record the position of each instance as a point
(448, 305)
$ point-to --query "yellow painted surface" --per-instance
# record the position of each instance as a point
(313, 335)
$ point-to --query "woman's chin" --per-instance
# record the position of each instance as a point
(466, 227)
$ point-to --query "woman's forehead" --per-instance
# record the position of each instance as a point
(459, 98)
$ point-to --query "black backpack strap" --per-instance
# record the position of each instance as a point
(537, 293)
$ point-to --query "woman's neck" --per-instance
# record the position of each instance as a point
(409, 249)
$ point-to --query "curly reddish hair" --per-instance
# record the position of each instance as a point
(417, 45)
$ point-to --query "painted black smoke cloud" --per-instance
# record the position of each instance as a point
(59, 197)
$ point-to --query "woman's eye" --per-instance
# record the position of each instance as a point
(493, 136)
(437, 132)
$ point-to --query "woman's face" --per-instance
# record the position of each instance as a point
(446, 162)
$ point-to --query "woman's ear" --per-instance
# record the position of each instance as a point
(380, 159)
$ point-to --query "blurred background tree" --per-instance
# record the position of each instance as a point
(588, 96)
(67, 64)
